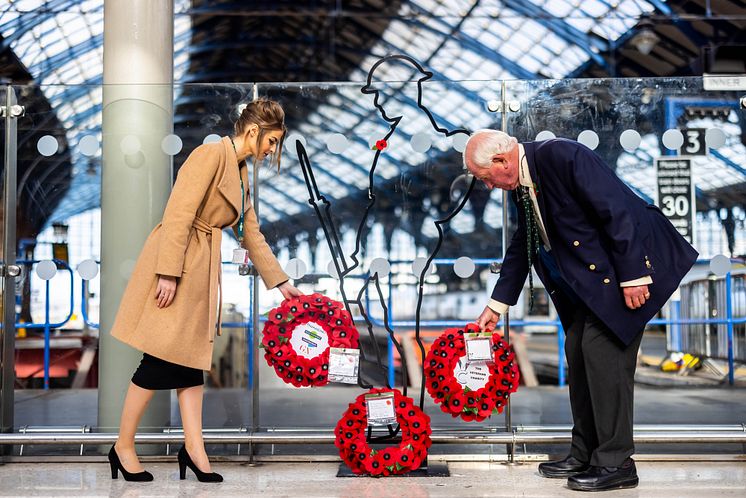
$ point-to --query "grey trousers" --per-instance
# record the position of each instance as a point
(601, 380)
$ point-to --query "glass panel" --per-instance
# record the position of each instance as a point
(631, 123)
(417, 180)
(56, 183)
(6, 384)
(605, 112)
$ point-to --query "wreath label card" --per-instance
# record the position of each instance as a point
(343, 365)
(309, 340)
(471, 375)
(478, 347)
(380, 408)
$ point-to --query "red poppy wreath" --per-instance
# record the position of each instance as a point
(362, 459)
(472, 391)
(298, 334)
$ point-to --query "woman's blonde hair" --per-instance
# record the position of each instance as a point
(268, 115)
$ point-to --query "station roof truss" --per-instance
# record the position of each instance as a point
(467, 44)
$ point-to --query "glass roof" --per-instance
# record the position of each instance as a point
(60, 42)
(61, 45)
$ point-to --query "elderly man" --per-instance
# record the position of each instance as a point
(609, 261)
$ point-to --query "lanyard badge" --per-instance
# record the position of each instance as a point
(240, 255)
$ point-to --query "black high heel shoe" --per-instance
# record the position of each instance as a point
(186, 461)
(117, 466)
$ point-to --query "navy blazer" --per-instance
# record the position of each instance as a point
(601, 234)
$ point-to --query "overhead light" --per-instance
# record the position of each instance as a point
(645, 39)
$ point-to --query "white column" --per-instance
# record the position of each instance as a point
(136, 175)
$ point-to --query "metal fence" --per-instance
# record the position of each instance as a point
(707, 299)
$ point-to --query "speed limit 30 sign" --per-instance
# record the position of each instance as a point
(676, 193)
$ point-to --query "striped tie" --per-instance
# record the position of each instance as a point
(532, 239)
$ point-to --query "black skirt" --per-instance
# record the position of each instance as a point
(154, 373)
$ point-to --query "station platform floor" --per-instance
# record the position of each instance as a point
(657, 480)
(671, 470)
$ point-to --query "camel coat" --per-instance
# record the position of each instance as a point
(205, 199)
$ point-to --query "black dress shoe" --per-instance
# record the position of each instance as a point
(563, 468)
(186, 461)
(117, 467)
(603, 478)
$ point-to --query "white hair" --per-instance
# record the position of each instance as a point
(487, 144)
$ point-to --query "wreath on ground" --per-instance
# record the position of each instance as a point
(471, 391)
(357, 453)
(298, 334)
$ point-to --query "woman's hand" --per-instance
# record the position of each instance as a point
(165, 291)
(288, 290)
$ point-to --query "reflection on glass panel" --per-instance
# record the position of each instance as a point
(654, 110)
(416, 181)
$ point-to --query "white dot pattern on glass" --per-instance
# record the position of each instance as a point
(380, 267)
(459, 141)
(47, 145)
(720, 265)
(545, 135)
(630, 140)
(88, 145)
(331, 269)
(88, 269)
(290, 143)
(211, 138)
(419, 264)
(46, 269)
(130, 144)
(714, 138)
(589, 138)
(337, 143)
(672, 139)
(464, 267)
(171, 144)
(421, 142)
(296, 268)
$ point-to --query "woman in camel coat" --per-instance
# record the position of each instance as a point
(171, 307)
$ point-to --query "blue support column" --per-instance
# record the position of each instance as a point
(47, 333)
(729, 317)
(250, 336)
(675, 327)
(561, 381)
(392, 377)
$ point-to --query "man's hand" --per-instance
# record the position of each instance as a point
(165, 291)
(636, 296)
(488, 320)
(288, 290)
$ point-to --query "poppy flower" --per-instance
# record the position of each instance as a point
(373, 466)
(468, 416)
(380, 145)
(456, 403)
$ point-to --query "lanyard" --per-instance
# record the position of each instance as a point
(240, 217)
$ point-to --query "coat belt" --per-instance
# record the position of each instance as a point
(216, 290)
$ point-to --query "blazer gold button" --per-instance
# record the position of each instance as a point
(647, 263)
(607, 281)
(576, 243)
(592, 267)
